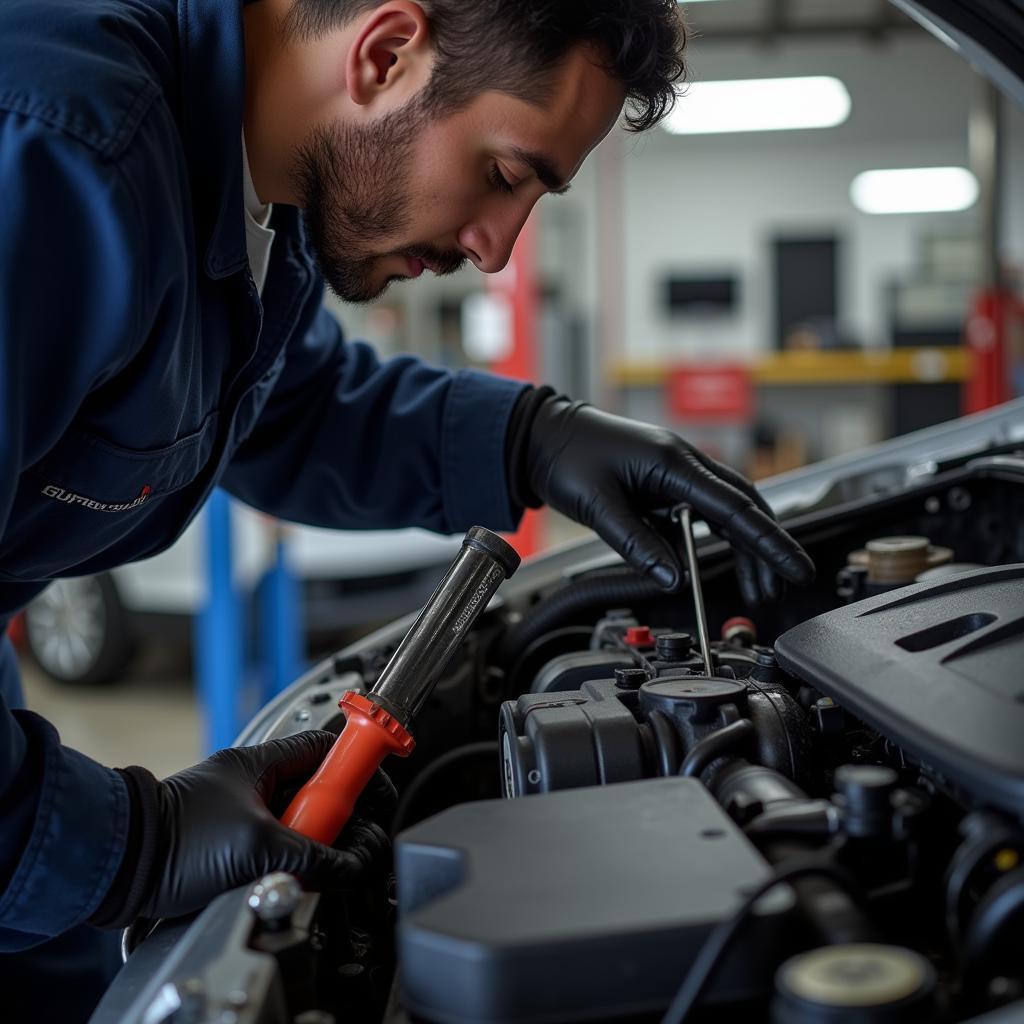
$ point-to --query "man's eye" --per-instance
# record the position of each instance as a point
(499, 181)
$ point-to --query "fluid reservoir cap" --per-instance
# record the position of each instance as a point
(639, 636)
(673, 646)
(896, 561)
(695, 697)
(630, 678)
(855, 983)
(866, 790)
(867, 779)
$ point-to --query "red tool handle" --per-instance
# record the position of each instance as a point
(323, 805)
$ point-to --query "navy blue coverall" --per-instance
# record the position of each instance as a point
(139, 368)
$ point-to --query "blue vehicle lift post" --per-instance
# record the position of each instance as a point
(220, 635)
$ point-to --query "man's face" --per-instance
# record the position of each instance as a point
(405, 193)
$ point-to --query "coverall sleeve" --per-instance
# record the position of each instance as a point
(68, 248)
(349, 441)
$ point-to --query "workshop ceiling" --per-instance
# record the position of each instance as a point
(770, 20)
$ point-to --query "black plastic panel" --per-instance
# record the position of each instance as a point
(584, 904)
(937, 667)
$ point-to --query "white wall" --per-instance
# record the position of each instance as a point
(714, 203)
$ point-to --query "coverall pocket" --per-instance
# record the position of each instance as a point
(89, 505)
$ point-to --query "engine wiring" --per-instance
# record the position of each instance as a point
(699, 976)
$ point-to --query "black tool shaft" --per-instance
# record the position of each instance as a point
(480, 567)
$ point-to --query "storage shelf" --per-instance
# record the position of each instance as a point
(921, 365)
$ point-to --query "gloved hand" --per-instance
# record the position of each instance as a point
(612, 474)
(208, 829)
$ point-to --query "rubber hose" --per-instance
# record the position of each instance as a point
(430, 772)
(666, 742)
(991, 928)
(715, 745)
(609, 588)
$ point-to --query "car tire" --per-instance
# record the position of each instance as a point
(78, 632)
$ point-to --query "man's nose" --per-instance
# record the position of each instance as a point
(488, 240)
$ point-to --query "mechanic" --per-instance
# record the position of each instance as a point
(178, 180)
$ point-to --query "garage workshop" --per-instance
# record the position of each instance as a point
(511, 511)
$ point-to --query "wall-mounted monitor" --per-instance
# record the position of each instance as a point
(700, 296)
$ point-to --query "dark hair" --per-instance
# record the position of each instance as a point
(516, 46)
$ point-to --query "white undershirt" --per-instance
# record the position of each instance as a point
(258, 236)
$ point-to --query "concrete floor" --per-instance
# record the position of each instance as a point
(149, 718)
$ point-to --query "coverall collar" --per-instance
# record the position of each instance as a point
(213, 102)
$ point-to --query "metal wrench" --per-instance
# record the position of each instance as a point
(682, 514)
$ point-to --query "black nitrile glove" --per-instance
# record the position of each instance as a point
(613, 475)
(208, 829)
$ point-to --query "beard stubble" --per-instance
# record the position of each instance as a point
(354, 185)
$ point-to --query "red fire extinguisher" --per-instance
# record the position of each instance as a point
(993, 335)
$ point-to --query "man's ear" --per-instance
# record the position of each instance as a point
(391, 51)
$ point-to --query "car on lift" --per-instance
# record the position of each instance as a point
(84, 630)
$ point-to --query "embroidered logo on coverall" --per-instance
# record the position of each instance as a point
(70, 498)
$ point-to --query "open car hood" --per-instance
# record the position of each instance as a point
(988, 33)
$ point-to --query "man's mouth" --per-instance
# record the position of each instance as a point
(439, 262)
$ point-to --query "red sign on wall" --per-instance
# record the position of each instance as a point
(720, 393)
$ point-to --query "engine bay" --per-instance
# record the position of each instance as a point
(825, 826)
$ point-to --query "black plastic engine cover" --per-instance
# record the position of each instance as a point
(936, 667)
(584, 904)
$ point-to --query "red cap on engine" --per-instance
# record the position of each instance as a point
(739, 624)
(639, 636)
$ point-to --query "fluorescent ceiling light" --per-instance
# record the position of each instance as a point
(760, 105)
(915, 190)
